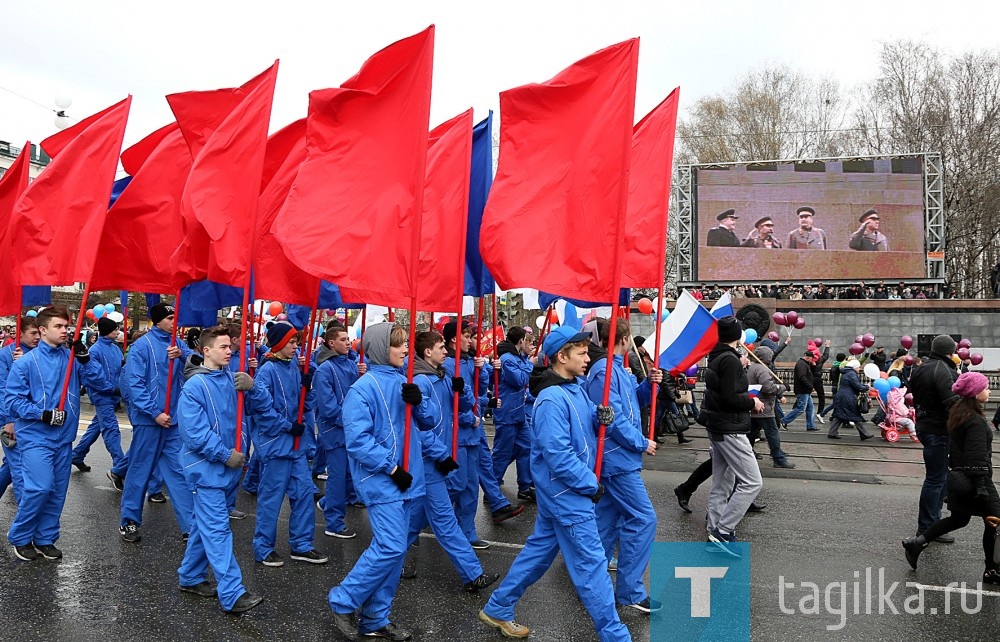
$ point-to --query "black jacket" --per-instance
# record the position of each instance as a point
(930, 385)
(727, 404)
(970, 451)
(802, 383)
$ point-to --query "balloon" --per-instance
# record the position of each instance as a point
(964, 343)
(908, 399)
(275, 308)
(881, 385)
(906, 341)
(868, 339)
(751, 335)
(791, 317)
(117, 317)
(963, 353)
(773, 336)
(331, 313)
(800, 323)
(553, 316)
(109, 307)
(818, 341)
(645, 306)
(750, 347)
(909, 360)
(32, 313)
(90, 314)
(976, 358)
(663, 315)
(692, 371)
(540, 322)
(871, 371)
(894, 382)
(282, 317)
(856, 349)
(779, 318)
(883, 375)
(529, 330)
(858, 338)
(99, 311)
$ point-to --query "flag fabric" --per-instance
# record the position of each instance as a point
(574, 317)
(545, 299)
(754, 389)
(366, 150)
(330, 298)
(687, 335)
(478, 280)
(649, 195)
(723, 307)
(12, 185)
(59, 217)
(565, 147)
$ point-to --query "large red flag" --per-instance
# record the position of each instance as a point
(441, 269)
(649, 196)
(223, 187)
(563, 175)
(353, 214)
(57, 221)
(12, 185)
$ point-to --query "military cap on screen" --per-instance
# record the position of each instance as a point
(806, 208)
(761, 221)
(864, 217)
(730, 213)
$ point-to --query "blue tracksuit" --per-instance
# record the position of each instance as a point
(512, 441)
(153, 447)
(374, 424)
(562, 459)
(463, 484)
(334, 377)
(207, 420)
(284, 470)
(624, 515)
(487, 477)
(34, 385)
(10, 471)
(109, 356)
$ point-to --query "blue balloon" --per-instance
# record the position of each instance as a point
(663, 315)
(109, 307)
(98, 311)
(882, 385)
(894, 382)
(32, 313)
(751, 335)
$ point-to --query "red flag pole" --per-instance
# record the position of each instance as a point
(656, 361)
(496, 371)
(20, 313)
(72, 351)
(173, 342)
(361, 335)
(458, 361)
(305, 370)
(626, 312)
(409, 379)
(125, 322)
(238, 428)
(605, 399)
(479, 353)
(392, 315)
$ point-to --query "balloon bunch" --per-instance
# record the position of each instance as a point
(965, 352)
(646, 306)
(882, 382)
(99, 311)
(861, 343)
(906, 341)
(749, 338)
(789, 319)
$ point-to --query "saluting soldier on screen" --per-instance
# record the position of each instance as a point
(867, 238)
(723, 235)
(762, 235)
(806, 237)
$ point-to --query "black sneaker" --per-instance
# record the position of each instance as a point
(237, 514)
(757, 507)
(344, 533)
(49, 552)
(313, 557)
(481, 582)
(389, 632)
(347, 624)
(784, 464)
(683, 497)
(527, 496)
(26, 553)
(246, 602)
(117, 481)
(991, 576)
(157, 498)
(273, 560)
(82, 467)
(506, 513)
(480, 545)
(648, 605)
(201, 589)
(130, 532)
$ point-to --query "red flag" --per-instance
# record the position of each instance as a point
(57, 221)
(649, 196)
(363, 177)
(12, 185)
(223, 187)
(441, 269)
(563, 173)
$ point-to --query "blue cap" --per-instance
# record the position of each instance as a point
(559, 337)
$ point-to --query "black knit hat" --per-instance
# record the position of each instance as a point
(730, 329)
(160, 311)
(106, 326)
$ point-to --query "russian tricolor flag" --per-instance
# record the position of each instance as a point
(754, 390)
(688, 334)
(723, 307)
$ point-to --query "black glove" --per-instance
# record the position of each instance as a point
(492, 403)
(236, 460)
(297, 428)
(307, 380)
(54, 417)
(457, 384)
(80, 351)
(401, 478)
(596, 497)
(445, 466)
(412, 394)
(605, 415)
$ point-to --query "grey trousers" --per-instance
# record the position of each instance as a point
(733, 462)
(835, 425)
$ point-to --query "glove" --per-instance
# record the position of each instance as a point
(80, 352)
(445, 466)
(401, 478)
(596, 497)
(307, 380)
(54, 417)
(8, 440)
(457, 384)
(243, 381)
(492, 403)
(297, 428)
(197, 359)
(412, 394)
(605, 415)
(236, 460)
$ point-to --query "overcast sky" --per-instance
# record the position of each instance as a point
(98, 51)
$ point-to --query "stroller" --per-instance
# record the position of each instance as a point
(899, 418)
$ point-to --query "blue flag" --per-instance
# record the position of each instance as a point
(545, 300)
(329, 298)
(36, 295)
(478, 280)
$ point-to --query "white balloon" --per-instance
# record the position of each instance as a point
(871, 371)
(540, 322)
(63, 102)
(117, 317)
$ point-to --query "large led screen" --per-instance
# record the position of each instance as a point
(802, 221)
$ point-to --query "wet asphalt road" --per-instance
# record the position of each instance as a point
(818, 531)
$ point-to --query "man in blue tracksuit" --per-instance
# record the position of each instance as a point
(563, 450)
(235, 331)
(625, 515)
(334, 376)
(434, 419)
(44, 432)
(156, 444)
(109, 356)
(374, 428)
(10, 472)
(212, 464)
(284, 470)
(512, 441)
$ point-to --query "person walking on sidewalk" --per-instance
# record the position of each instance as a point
(803, 387)
(771, 389)
(845, 402)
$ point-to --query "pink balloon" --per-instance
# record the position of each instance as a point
(818, 341)
(773, 336)
(908, 399)
(800, 323)
(856, 349)
(792, 317)
(964, 343)
(976, 358)
(868, 339)
(963, 353)
(779, 318)
(906, 341)
(282, 317)
(909, 360)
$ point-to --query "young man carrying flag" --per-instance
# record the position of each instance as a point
(512, 441)
(10, 472)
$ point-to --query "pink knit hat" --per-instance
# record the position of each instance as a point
(970, 384)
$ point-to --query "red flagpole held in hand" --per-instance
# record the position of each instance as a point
(458, 373)
(656, 362)
(605, 399)
(409, 379)
(72, 351)
(305, 370)
(479, 353)
(173, 343)
(496, 371)
(361, 335)
(20, 313)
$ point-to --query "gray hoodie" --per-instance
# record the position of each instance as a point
(770, 387)
(376, 343)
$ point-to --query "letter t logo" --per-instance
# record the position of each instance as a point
(701, 586)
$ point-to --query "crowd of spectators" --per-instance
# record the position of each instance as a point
(799, 292)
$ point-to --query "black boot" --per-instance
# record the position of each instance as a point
(913, 547)
(683, 497)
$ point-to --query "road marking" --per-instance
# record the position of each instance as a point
(956, 589)
(516, 547)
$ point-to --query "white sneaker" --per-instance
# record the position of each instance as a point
(820, 419)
